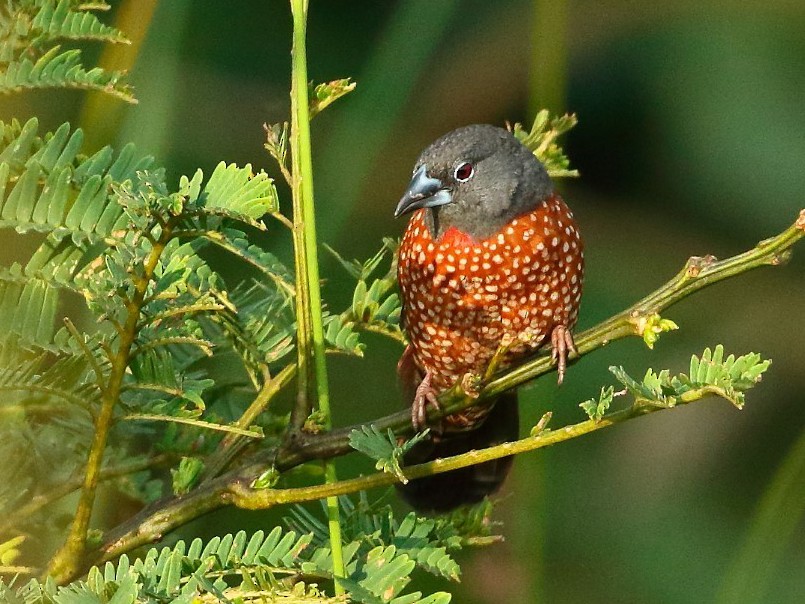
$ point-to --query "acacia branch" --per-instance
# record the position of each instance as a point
(235, 487)
(238, 490)
(67, 560)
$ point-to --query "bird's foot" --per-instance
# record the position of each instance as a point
(561, 344)
(424, 397)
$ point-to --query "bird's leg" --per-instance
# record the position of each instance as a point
(562, 343)
(424, 397)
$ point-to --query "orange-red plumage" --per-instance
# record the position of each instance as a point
(462, 297)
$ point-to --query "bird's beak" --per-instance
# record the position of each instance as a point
(423, 192)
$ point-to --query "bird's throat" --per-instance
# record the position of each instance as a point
(445, 233)
(433, 222)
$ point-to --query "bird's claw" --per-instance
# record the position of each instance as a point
(425, 397)
(562, 343)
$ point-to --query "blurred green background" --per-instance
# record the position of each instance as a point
(691, 141)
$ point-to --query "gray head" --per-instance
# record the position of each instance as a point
(477, 179)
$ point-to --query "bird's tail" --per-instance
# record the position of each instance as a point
(443, 492)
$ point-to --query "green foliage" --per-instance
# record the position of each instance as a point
(375, 306)
(31, 56)
(263, 566)
(710, 374)
(384, 448)
(186, 475)
(322, 95)
(653, 326)
(277, 144)
(47, 186)
(230, 568)
(541, 139)
(341, 336)
(595, 409)
(382, 550)
(133, 251)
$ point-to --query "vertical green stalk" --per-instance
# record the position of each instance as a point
(312, 384)
(547, 90)
(548, 78)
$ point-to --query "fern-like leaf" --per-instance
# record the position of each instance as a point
(30, 54)
(59, 68)
(232, 192)
(28, 309)
(341, 336)
(45, 376)
(46, 186)
(322, 95)
(375, 307)
(384, 449)
(710, 374)
(596, 408)
(65, 20)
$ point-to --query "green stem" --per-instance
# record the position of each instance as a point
(308, 277)
(231, 443)
(67, 560)
(549, 61)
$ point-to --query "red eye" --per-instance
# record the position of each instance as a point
(464, 171)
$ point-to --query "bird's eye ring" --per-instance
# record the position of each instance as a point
(464, 171)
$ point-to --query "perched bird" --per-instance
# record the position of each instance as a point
(491, 254)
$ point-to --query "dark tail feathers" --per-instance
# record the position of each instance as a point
(443, 492)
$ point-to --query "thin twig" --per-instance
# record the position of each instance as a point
(279, 216)
(79, 339)
(244, 496)
(229, 445)
(189, 421)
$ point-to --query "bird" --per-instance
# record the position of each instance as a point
(490, 265)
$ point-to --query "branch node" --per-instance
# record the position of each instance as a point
(696, 264)
(542, 425)
(781, 258)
